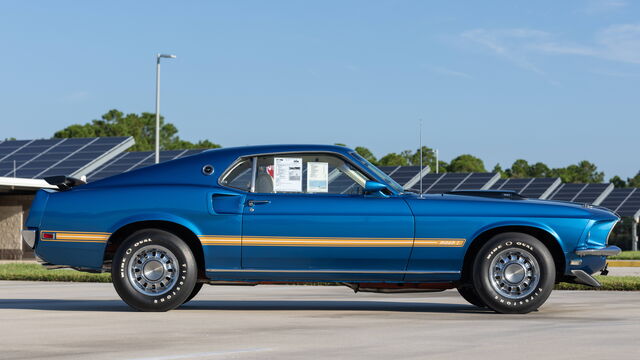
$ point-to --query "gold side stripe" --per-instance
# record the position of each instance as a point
(78, 241)
(332, 241)
(439, 242)
(324, 237)
(67, 237)
(76, 232)
(77, 236)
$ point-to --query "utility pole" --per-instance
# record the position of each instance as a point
(634, 231)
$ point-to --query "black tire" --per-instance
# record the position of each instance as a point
(196, 290)
(154, 270)
(513, 273)
(469, 293)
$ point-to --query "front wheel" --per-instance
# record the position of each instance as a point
(469, 293)
(513, 273)
(154, 270)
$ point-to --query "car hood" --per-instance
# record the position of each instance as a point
(455, 204)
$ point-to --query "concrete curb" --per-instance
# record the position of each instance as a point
(624, 263)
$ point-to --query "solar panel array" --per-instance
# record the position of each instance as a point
(528, 187)
(404, 174)
(36, 159)
(389, 169)
(104, 156)
(134, 160)
(581, 193)
(441, 183)
(631, 207)
(625, 201)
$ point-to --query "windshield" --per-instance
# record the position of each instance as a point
(379, 173)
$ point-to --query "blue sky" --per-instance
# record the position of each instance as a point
(550, 81)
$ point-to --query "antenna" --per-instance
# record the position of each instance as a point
(421, 175)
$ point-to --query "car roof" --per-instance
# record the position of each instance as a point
(266, 149)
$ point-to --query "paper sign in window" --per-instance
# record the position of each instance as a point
(287, 174)
(317, 177)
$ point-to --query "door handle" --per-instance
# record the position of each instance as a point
(258, 202)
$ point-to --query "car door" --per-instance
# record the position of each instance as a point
(307, 216)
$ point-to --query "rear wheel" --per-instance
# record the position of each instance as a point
(513, 273)
(195, 292)
(154, 270)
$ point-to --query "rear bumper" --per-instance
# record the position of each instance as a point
(606, 251)
(29, 236)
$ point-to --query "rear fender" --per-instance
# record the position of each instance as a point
(157, 216)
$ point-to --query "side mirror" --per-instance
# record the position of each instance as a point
(373, 186)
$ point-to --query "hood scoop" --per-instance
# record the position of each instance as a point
(493, 194)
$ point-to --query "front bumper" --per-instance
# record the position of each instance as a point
(585, 262)
(606, 251)
(29, 236)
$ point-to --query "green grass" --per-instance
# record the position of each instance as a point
(35, 272)
(626, 255)
(617, 283)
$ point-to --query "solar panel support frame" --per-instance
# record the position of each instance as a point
(604, 195)
(545, 195)
(491, 181)
(102, 159)
(414, 180)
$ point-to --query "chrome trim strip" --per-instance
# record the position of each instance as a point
(254, 172)
(345, 158)
(607, 251)
(334, 271)
(29, 236)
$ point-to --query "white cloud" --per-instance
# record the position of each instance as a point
(617, 43)
(620, 43)
(508, 43)
(601, 6)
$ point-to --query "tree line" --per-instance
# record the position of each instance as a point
(583, 172)
(142, 128)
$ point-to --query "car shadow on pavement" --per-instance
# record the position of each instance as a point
(245, 305)
(331, 305)
(64, 305)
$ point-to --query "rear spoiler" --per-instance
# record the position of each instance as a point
(495, 194)
(65, 183)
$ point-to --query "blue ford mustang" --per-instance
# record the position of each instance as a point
(308, 213)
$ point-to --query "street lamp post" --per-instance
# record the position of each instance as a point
(158, 57)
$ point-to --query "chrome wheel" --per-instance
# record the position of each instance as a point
(153, 270)
(515, 273)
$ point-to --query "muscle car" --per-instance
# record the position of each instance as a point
(285, 214)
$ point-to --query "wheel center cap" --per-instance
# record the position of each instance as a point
(514, 273)
(153, 270)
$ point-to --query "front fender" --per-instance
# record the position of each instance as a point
(518, 223)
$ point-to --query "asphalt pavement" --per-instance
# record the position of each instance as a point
(89, 321)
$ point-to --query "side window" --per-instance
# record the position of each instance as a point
(307, 173)
(239, 176)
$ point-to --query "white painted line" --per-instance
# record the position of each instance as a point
(200, 355)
